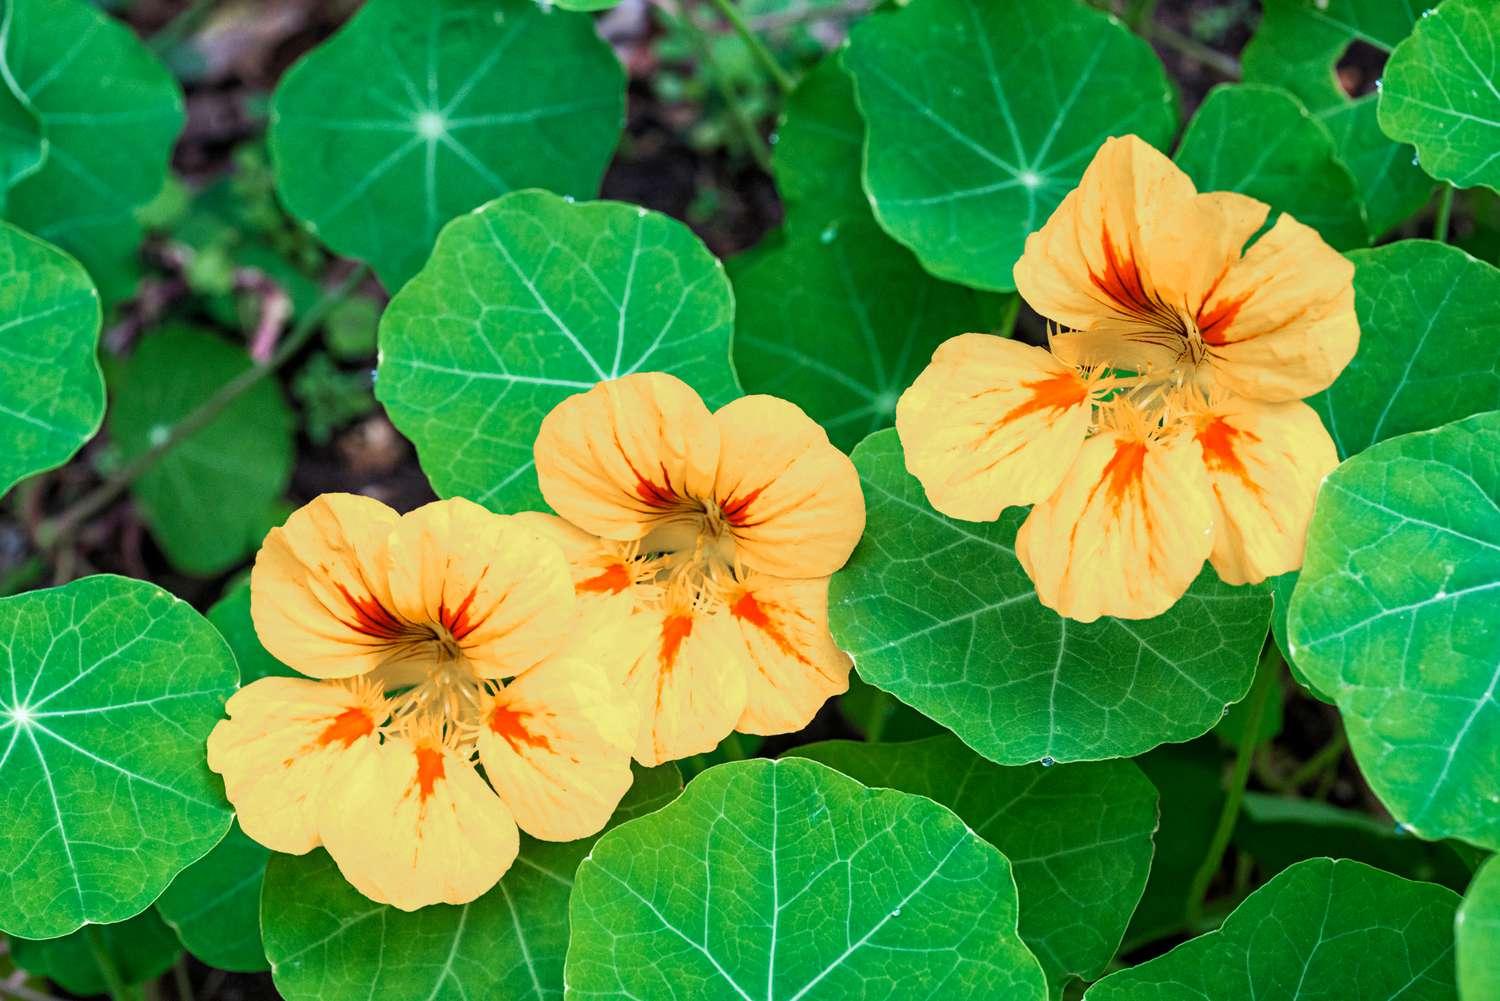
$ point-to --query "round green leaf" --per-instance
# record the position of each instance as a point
(940, 614)
(1397, 617)
(1477, 930)
(1441, 93)
(1078, 837)
(51, 391)
(327, 942)
(108, 690)
(214, 905)
(788, 881)
(527, 301)
(982, 116)
(141, 949)
(109, 113)
(231, 616)
(1321, 929)
(1297, 45)
(456, 103)
(1261, 142)
(209, 500)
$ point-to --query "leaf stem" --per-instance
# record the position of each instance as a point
(759, 150)
(118, 989)
(1226, 66)
(182, 980)
(1444, 212)
(56, 529)
(1327, 755)
(1267, 680)
(763, 55)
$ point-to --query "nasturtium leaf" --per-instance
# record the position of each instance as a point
(527, 301)
(878, 715)
(982, 116)
(1189, 782)
(457, 102)
(141, 949)
(108, 689)
(1321, 929)
(214, 905)
(1477, 936)
(1441, 93)
(819, 148)
(1280, 831)
(51, 391)
(841, 321)
(327, 942)
(231, 616)
(1397, 617)
(208, 501)
(1297, 46)
(1260, 141)
(940, 614)
(21, 143)
(788, 881)
(109, 113)
(1078, 837)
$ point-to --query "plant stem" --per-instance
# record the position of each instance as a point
(1267, 680)
(20, 992)
(1327, 755)
(118, 989)
(54, 530)
(751, 135)
(781, 77)
(182, 980)
(1141, 14)
(1225, 66)
(1444, 211)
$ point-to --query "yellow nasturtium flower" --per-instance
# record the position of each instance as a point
(1165, 424)
(712, 535)
(439, 640)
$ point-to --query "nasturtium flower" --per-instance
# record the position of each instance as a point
(712, 536)
(434, 643)
(1163, 424)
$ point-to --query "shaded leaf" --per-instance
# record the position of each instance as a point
(141, 949)
(231, 616)
(1189, 782)
(214, 905)
(819, 149)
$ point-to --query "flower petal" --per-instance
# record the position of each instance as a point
(1127, 531)
(502, 592)
(790, 499)
(991, 423)
(628, 455)
(282, 738)
(689, 685)
(1281, 325)
(414, 825)
(1265, 462)
(794, 664)
(318, 592)
(556, 746)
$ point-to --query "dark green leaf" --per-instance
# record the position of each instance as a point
(819, 149)
(141, 949)
(214, 905)
(1188, 779)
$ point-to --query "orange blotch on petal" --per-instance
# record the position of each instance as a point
(689, 686)
(795, 666)
(510, 724)
(347, 727)
(430, 770)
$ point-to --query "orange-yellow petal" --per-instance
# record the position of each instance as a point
(282, 738)
(991, 423)
(1281, 325)
(414, 825)
(689, 686)
(556, 746)
(628, 455)
(1265, 462)
(493, 587)
(789, 498)
(794, 664)
(1127, 531)
(318, 592)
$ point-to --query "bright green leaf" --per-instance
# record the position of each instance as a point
(456, 103)
(51, 391)
(1441, 93)
(141, 949)
(1297, 46)
(786, 880)
(109, 113)
(982, 116)
(940, 614)
(1477, 930)
(207, 501)
(1078, 837)
(327, 942)
(231, 616)
(1397, 616)
(214, 905)
(1259, 141)
(528, 301)
(108, 690)
(1320, 930)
